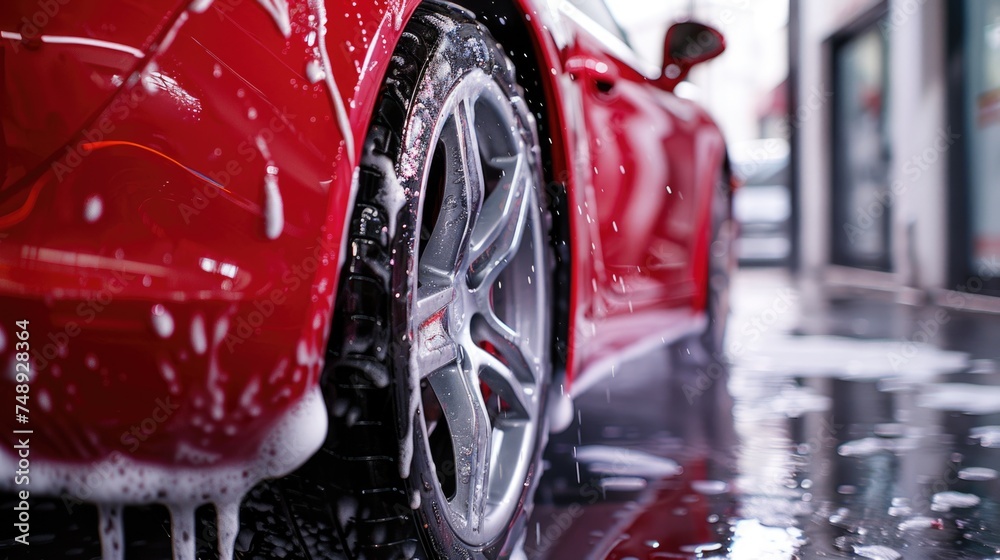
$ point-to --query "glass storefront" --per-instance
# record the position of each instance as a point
(861, 150)
(981, 89)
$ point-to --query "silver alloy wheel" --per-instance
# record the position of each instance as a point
(480, 318)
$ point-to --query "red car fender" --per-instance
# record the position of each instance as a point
(166, 209)
(553, 43)
(711, 166)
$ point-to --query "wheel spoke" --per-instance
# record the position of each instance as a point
(488, 328)
(471, 434)
(502, 381)
(477, 316)
(445, 250)
(500, 225)
(435, 347)
(471, 171)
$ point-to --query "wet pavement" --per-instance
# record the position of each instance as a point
(854, 428)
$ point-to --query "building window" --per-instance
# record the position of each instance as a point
(861, 147)
(981, 92)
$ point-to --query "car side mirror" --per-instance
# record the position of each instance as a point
(688, 44)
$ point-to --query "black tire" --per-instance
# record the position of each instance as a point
(393, 500)
(721, 260)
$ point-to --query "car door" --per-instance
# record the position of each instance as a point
(646, 200)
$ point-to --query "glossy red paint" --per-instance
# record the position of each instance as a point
(141, 238)
(675, 522)
(640, 165)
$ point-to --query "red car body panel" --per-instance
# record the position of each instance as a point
(184, 242)
(640, 165)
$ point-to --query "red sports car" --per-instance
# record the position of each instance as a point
(360, 247)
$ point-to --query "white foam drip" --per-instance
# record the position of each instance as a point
(198, 340)
(112, 532)
(119, 480)
(406, 441)
(278, 10)
(182, 531)
(274, 207)
(163, 322)
(392, 196)
(214, 380)
(227, 515)
(343, 121)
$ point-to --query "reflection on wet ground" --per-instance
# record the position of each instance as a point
(858, 437)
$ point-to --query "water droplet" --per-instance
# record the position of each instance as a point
(93, 209)
(199, 341)
(163, 322)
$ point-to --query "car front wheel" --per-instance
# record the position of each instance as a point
(442, 339)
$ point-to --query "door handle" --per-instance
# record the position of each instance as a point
(602, 74)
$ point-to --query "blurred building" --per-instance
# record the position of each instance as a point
(895, 118)
(742, 86)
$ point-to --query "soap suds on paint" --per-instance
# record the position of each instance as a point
(343, 121)
(199, 341)
(163, 322)
(274, 206)
(278, 10)
(119, 480)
